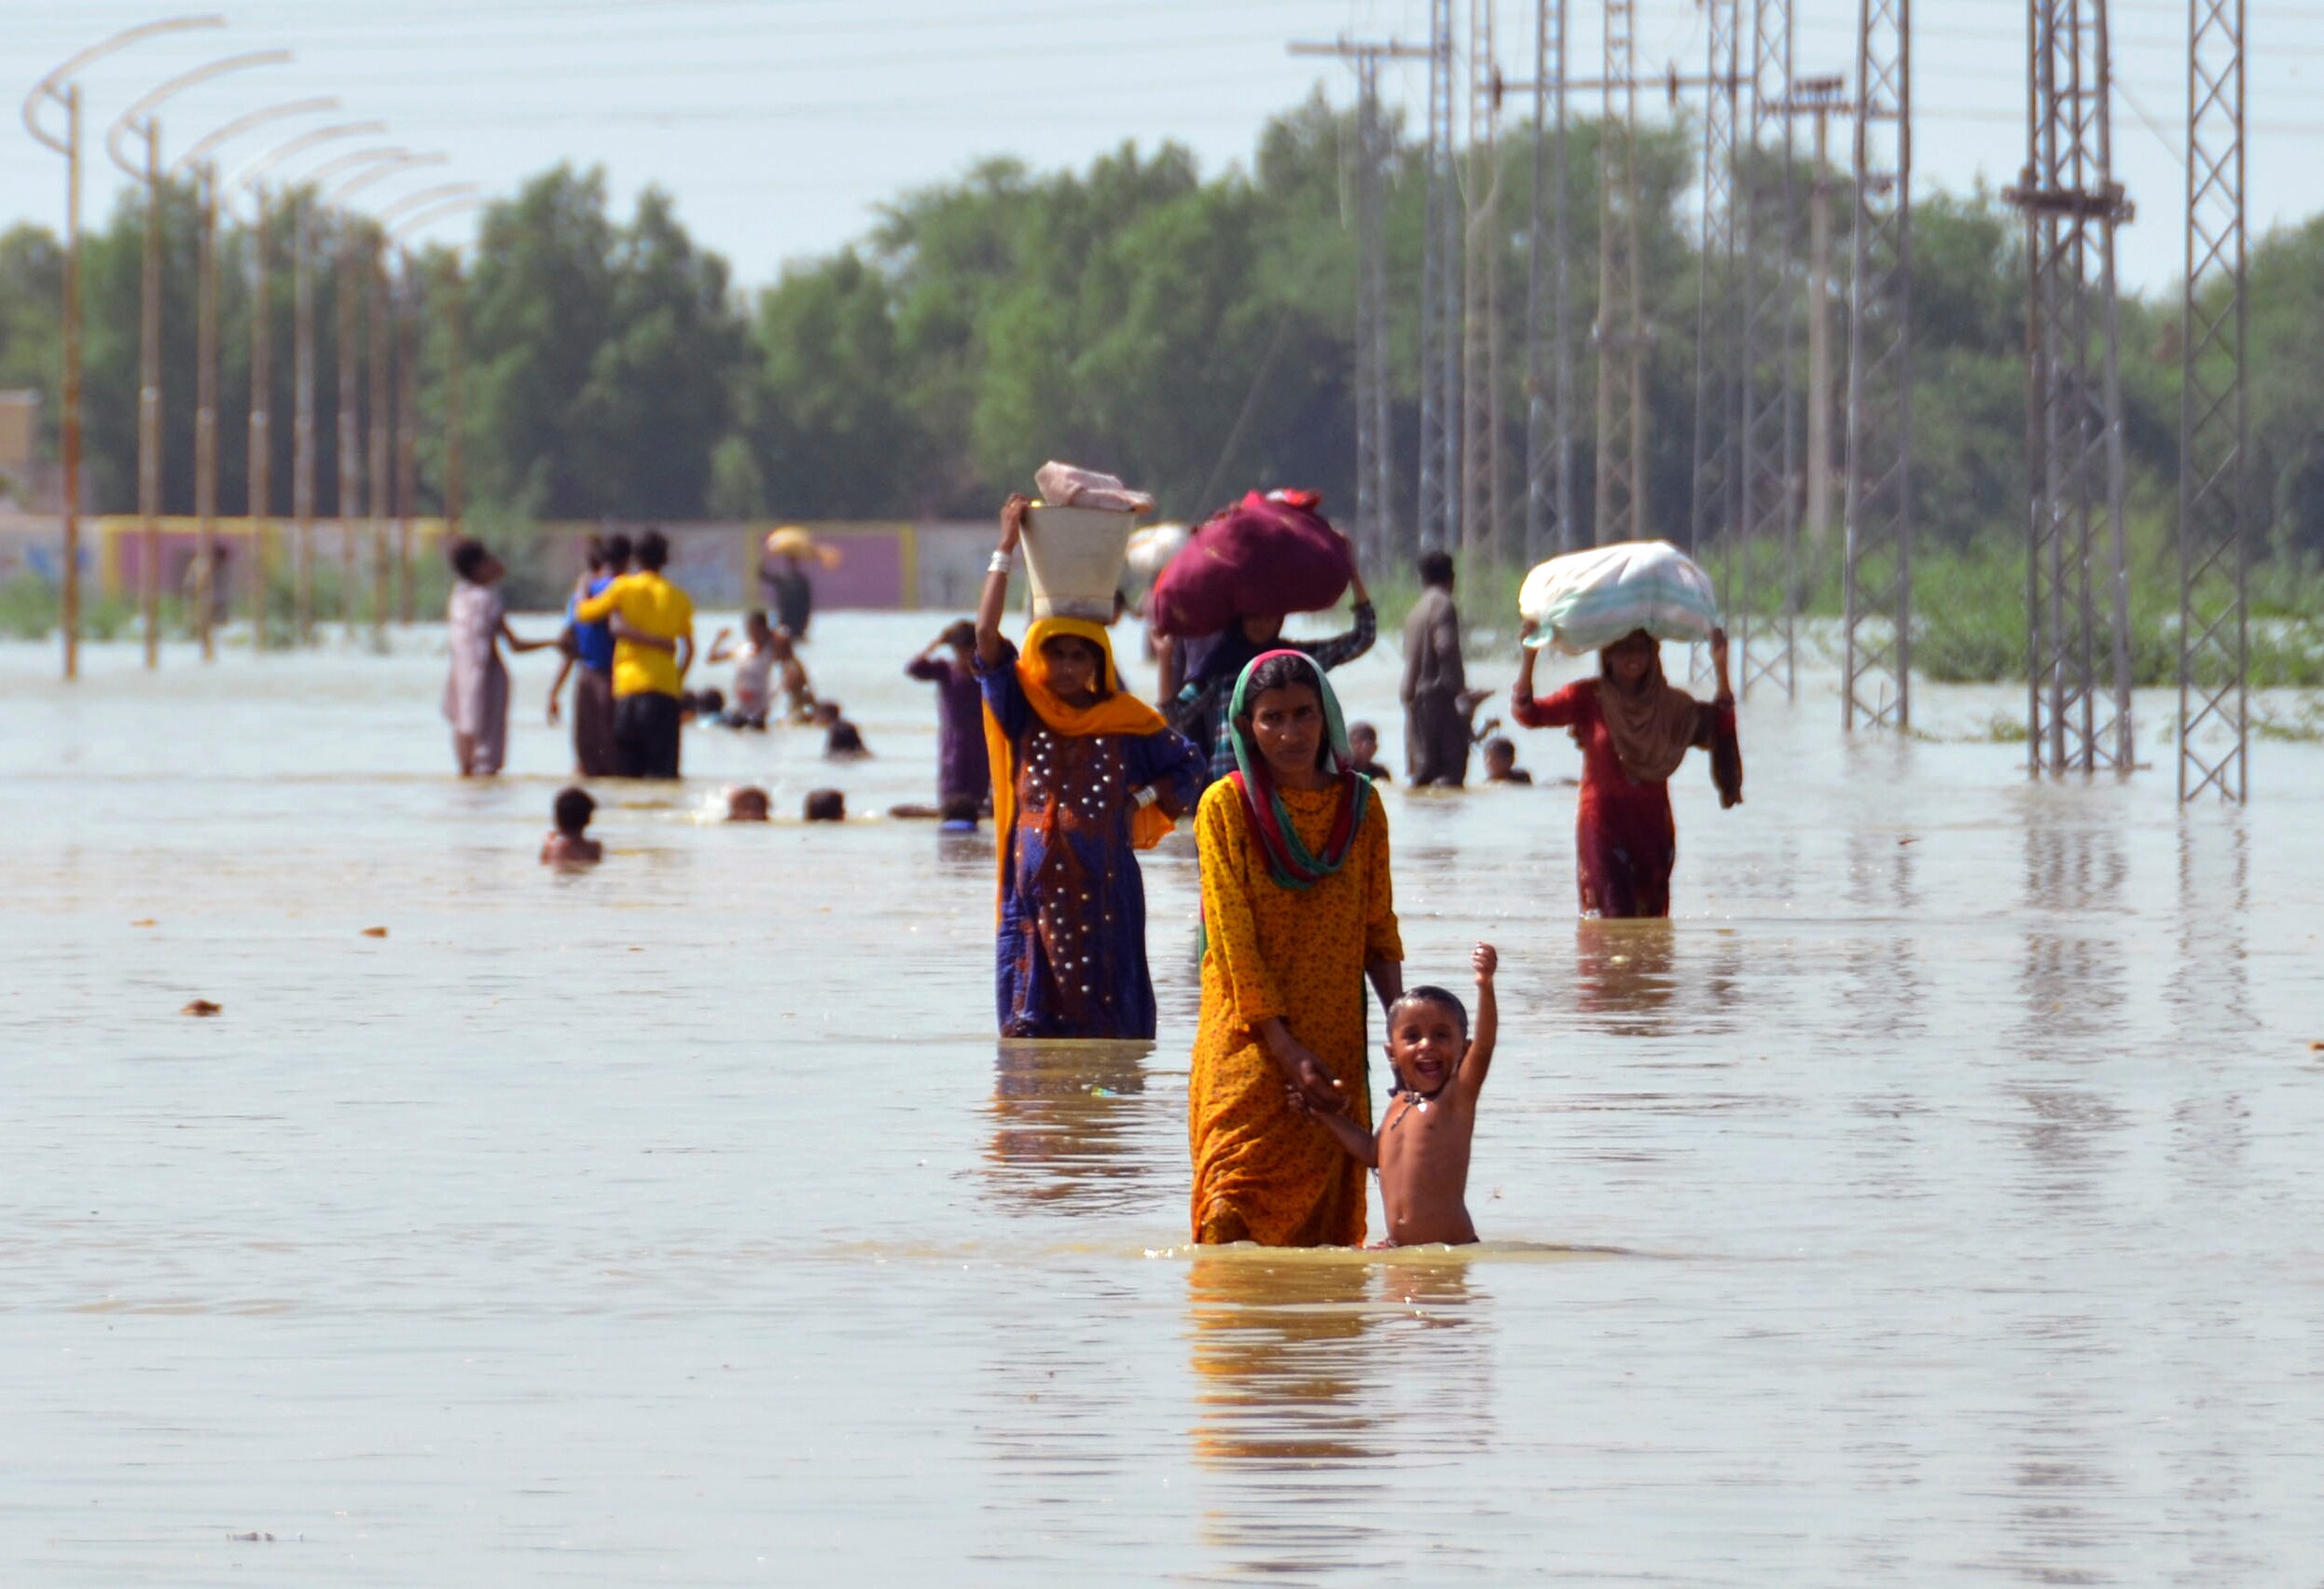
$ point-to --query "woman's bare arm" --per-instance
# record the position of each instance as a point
(996, 595)
(1387, 977)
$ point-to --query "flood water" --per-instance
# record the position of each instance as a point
(1935, 1200)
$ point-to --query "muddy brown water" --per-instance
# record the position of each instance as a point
(1935, 1200)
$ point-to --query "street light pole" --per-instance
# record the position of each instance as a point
(206, 410)
(201, 160)
(414, 212)
(142, 120)
(58, 89)
(302, 357)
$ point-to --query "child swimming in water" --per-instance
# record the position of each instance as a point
(746, 804)
(568, 843)
(1422, 1149)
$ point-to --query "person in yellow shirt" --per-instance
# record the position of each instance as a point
(653, 624)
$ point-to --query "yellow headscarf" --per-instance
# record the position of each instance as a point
(1117, 713)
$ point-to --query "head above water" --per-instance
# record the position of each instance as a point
(747, 803)
(1363, 741)
(826, 805)
(1500, 754)
(572, 809)
(652, 551)
(1428, 1032)
(1436, 568)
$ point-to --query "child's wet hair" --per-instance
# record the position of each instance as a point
(1427, 993)
(826, 805)
(572, 809)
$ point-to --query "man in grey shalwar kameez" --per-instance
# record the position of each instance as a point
(1436, 715)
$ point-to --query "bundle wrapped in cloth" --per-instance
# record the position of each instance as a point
(1077, 537)
(1586, 601)
(1062, 485)
(1268, 555)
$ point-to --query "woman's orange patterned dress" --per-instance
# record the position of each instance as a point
(1264, 1173)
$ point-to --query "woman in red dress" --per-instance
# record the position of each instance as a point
(1634, 728)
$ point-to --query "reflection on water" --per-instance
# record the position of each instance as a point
(666, 1223)
(1326, 1386)
(1065, 1122)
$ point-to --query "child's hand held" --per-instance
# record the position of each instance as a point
(1486, 959)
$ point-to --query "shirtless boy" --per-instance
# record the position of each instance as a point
(569, 843)
(1422, 1149)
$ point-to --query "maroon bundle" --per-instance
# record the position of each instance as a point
(1268, 555)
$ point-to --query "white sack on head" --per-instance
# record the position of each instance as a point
(1586, 601)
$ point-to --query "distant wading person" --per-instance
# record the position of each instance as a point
(653, 624)
(1435, 685)
(963, 765)
(1634, 727)
(789, 592)
(476, 697)
(1297, 914)
(1084, 775)
(589, 648)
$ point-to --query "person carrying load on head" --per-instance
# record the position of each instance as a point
(1083, 775)
(1634, 727)
(1265, 527)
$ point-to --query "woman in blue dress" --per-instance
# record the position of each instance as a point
(1083, 775)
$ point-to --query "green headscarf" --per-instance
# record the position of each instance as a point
(1292, 864)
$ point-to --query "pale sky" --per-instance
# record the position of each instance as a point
(778, 125)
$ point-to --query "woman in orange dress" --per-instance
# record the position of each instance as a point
(1297, 913)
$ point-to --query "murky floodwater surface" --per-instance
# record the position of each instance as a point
(1936, 1199)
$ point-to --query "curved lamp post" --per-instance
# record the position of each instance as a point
(142, 120)
(199, 161)
(252, 176)
(409, 213)
(58, 89)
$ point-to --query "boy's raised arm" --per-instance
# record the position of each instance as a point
(1487, 1026)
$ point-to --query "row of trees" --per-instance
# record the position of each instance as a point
(1191, 333)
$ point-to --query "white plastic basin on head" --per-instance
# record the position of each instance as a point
(1073, 560)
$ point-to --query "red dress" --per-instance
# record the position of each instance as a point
(1624, 842)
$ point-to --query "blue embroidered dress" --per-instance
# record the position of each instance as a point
(1071, 955)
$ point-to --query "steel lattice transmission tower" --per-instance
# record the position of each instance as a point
(1549, 526)
(2077, 712)
(1713, 508)
(1621, 333)
(1877, 652)
(1763, 562)
(1439, 518)
(1480, 475)
(1376, 515)
(2214, 417)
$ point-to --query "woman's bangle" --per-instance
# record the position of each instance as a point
(1003, 560)
(1145, 795)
